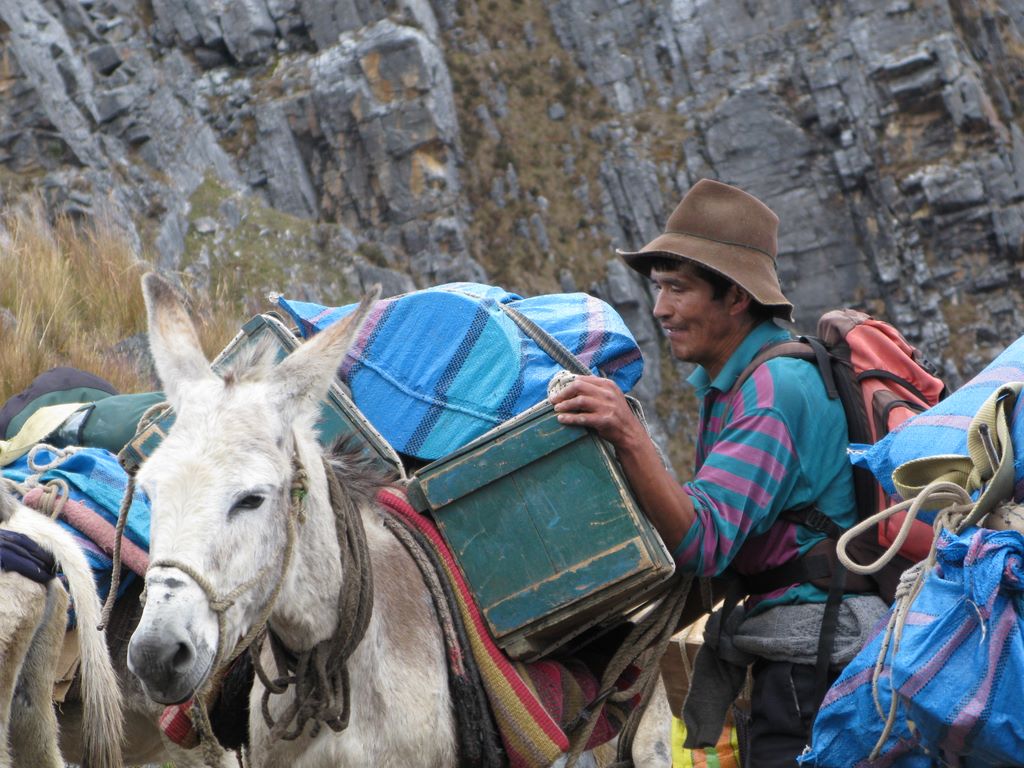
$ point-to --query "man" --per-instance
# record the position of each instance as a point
(774, 446)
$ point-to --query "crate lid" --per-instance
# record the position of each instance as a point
(499, 452)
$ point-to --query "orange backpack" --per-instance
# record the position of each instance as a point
(881, 380)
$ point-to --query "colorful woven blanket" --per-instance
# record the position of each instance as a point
(532, 703)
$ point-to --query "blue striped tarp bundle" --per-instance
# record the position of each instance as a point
(433, 369)
(956, 669)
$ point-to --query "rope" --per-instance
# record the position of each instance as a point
(56, 492)
(115, 574)
(153, 413)
(940, 494)
(945, 483)
(955, 508)
(122, 521)
(644, 645)
(320, 677)
(551, 346)
(60, 455)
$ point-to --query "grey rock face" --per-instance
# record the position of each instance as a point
(853, 125)
(406, 142)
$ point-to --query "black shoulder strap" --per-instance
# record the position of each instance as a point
(810, 516)
(807, 348)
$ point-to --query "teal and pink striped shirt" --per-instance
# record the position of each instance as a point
(777, 443)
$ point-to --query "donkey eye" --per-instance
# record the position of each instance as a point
(252, 501)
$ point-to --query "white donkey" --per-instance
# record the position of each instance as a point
(33, 617)
(243, 533)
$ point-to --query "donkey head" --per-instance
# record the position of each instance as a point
(220, 489)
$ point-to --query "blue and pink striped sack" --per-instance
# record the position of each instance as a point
(850, 723)
(435, 368)
(956, 669)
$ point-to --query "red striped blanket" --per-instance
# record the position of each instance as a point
(94, 533)
(531, 703)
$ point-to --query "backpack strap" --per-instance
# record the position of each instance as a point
(809, 348)
(829, 628)
(811, 517)
(817, 566)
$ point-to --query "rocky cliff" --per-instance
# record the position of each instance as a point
(313, 146)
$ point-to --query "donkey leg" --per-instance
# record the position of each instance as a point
(21, 611)
(34, 737)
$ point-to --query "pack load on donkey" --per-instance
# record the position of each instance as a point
(541, 621)
(548, 560)
(538, 516)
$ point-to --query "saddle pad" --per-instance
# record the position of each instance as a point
(433, 369)
(532, 703)
(96, 486)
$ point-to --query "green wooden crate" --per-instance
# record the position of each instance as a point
(545, 529)
(338, 417)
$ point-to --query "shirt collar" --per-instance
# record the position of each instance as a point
(761, 335)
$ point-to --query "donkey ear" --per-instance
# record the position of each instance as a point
(173, 342)
(306, 373)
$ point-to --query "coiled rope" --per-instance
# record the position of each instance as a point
(320, 679)
(946, 484)
(644, 646)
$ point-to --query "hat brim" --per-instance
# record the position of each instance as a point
(750, 269)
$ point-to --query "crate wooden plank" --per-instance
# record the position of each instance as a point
(544, 528)
(471, 468)
(594, 577)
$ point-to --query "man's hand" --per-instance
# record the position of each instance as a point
(589, 401)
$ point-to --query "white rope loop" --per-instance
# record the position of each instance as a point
(956, 508)
(939, 495)
(60, 455)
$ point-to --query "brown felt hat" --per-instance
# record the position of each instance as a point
(728, 231)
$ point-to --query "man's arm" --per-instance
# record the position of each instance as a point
(599, 404)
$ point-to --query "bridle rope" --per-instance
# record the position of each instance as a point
(320, 676)
(221, 604)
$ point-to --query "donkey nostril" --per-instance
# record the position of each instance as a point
(183, 656)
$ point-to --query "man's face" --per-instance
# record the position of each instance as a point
(700, 329)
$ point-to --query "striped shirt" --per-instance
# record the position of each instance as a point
(777, 443)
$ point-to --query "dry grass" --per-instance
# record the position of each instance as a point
(71, 294)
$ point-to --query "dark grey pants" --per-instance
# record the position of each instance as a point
(782, 708)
